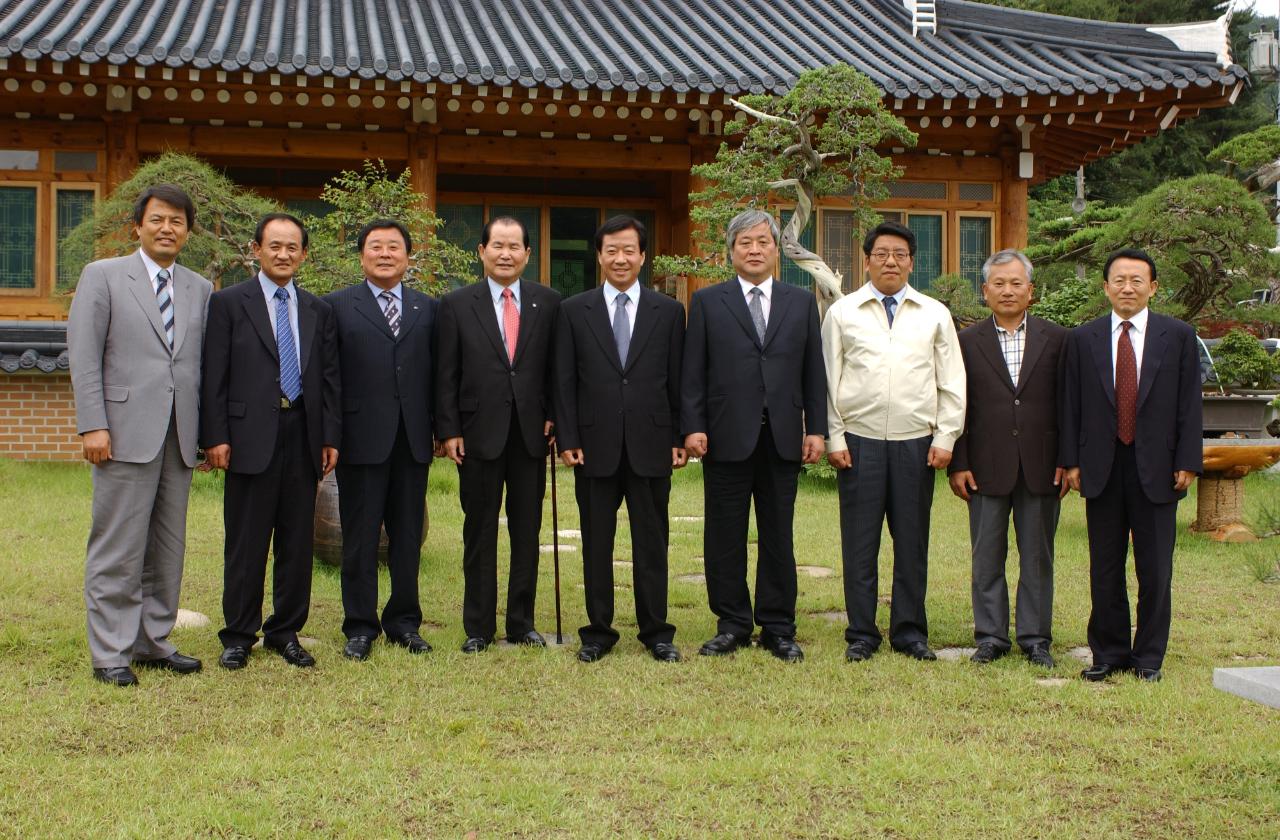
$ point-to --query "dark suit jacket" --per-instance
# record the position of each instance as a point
(729, 373)
(603, 407)
(1169, 425)
(386, 379)
(240, 388)
(476, 386)
(1008, 428)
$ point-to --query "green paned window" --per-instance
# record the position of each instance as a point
(928, 261)
(791, 273)
(531, 218)
(462, 225)
(72, 207)
(17, 237)
(975, 247)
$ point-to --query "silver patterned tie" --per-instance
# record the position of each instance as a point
(757, 312)
(621, 329)
(165, 301)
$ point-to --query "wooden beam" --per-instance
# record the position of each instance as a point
(582, 153)
(122, 149)
(272, 142)
(422, 164)
(1013, 202)
(919, 167)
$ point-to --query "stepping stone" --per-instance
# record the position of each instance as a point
(955, 654)
(622, 564)
(190, 618)
(1261, 685)
(1052, 682)
(1238, 657)
(816, 571)
(834, 617)
(885, 599)
(694, 578)
(1083, 654)
(569, 534)
(550, 549)
(686, 519)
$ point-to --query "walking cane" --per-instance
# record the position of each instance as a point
(555, 541)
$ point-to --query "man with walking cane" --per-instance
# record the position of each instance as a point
(617, 397)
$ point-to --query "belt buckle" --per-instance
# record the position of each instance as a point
(285, 404)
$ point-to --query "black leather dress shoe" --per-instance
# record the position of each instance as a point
(859, 651)
(357, 648)
(1148, 674)
(724, 643)
(175, 662)
(412, 642)
(531, 639)
(122, 677)
(987, 653)
(591, 652)
(475, 644)
(293, 653)
(234, 658)
(921, 651)
(1099, 672)
(783, 647)
(1039, 655)
(665, 652)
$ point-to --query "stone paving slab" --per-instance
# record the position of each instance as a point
(955, 654)
(1261, 685)
(190, 618)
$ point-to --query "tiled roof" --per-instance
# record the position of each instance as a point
(730, 46)
(33, 345)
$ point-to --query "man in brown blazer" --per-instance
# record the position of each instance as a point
(1007, 459)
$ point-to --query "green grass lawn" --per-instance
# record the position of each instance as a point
(531, 743)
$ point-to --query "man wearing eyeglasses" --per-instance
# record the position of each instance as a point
(896, 400)
(1131, 444)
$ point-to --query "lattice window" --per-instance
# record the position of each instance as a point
(838, 246)
(975, 247)
(977, 192)
(462, 224)
(71, 207)
(17, 237)
(919, 189)
(928, 260)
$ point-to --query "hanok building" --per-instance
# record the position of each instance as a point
(558, 113)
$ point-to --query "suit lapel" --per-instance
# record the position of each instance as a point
(482, 307)
(255, 309)
(777, 313)
(529, 314)
(369, 308)
(733, 298)
(184, 291)
(1153, 347)
(601, 328)
(410, 311)
(1032, 349)
(306, 329)
(1101, 341)
(142, 291)
(642, 326)
(989, 346)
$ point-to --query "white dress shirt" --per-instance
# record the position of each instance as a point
(1137, 337)
(153, 268)
(892, 384)
(766, 295)
(495, 291)
(611, 297)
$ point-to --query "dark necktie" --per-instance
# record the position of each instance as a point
(621, 329)
(290, 376)
(890, 304)
(1126, 386)
(165, 301)
(392, 312)
(757, 312)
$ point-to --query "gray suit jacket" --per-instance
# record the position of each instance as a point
(125, 377)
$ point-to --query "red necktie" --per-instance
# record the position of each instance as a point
(510, 323)
(1126, 386)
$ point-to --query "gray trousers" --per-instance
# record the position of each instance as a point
(133, 566)
(1035, 521)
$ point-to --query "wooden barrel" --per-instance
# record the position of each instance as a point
(328, 526)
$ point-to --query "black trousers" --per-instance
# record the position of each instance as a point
(598, 502)
(393, 495)
(1123, 508)
(728, 491)
(480, 486)
(281, 502)
(889, 478)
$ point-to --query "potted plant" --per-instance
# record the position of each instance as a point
(1247, 371)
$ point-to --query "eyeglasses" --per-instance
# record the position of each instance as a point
(883, 256)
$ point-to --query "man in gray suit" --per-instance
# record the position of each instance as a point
(134, 338)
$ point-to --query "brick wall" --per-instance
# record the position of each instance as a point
(37, 417)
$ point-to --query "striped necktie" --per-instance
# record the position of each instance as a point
(165, 301)
(290, 375)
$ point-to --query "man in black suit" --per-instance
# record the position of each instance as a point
(386, 338)
(1007, 459)
(270, 418)
(753, 407)
(618, 352)
(1131, 434)
(493, 419)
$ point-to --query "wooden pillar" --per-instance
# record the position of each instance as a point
(122, 148)
(1013, 202)
(423, 163)
(702, 150)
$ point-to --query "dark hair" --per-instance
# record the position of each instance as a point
(503, 220)
(383, 224)
(617, 224)
(1128, 254)
(171, 194)
(889, 229)
(278, 217)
